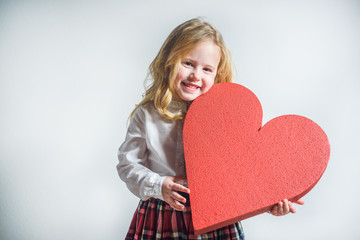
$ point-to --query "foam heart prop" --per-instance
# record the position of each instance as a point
(237, 169)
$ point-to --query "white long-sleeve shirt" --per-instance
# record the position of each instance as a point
(152, 150)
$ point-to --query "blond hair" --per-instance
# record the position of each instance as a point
(164, 68)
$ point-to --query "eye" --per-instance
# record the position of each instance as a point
(207, 69)
(188, 63)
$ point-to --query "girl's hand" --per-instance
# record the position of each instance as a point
(284, 207)
(170, 193)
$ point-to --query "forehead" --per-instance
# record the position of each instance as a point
(205, 52)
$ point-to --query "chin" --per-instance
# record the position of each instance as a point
(188, 98)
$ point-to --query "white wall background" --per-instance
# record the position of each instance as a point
(72, 71)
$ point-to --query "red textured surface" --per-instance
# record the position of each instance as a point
(237, 169)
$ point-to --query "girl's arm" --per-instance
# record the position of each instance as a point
(132, 156)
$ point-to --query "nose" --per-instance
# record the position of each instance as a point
(195, 76)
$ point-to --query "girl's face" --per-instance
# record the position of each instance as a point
(197, 71)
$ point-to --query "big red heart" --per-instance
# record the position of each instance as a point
(236, 168)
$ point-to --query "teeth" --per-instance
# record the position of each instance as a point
(191, 86)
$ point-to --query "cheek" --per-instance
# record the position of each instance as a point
(181, 73)
(208, 84)
(177, 80)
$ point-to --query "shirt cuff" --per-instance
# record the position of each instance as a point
(154, 187)
(161, 180)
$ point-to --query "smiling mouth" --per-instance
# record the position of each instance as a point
(189, 85)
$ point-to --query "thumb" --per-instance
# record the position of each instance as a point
(300, 201)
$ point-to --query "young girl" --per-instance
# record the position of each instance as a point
(151, 159)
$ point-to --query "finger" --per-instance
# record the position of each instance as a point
(176, 196)
(173, 206)
(300, 201)
(274, 210)
(281, 208)
(180, 188)
(176, 205)
(292, 207)
(286, 207)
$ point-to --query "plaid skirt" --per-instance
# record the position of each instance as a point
(155, 219)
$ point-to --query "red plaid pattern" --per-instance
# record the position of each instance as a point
(155, 219)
